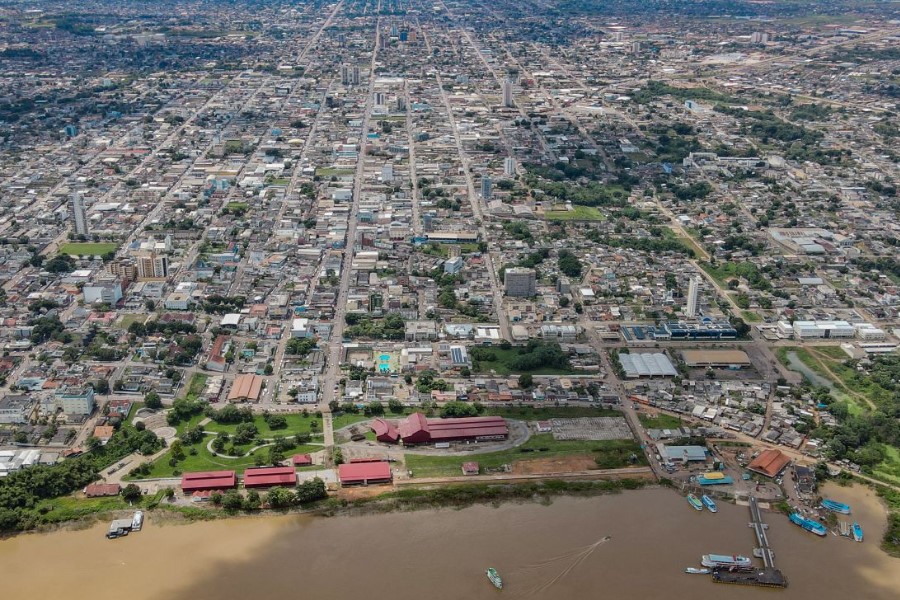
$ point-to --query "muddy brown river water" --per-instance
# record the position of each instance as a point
(542, 552)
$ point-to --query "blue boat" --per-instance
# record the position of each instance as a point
(808, 524)
(857, 532)
(709, 503)
(835, 506)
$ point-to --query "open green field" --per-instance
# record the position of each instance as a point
(204, 460)
(345, 419)
(68, 508)
(236, 206)
(660, 421)
(888, 469)
(88, 248)
(608, 454)
(579, 213)
(750, 316)
(501, 365)
(127, 319)
(296, 423)
(332, 172)
(197, 384)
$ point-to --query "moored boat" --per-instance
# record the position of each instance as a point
(835, 506)
(725, 561)
(808, 524)
(696, 571)
(857, 532)
(693, 501)
(137, 521)
(494, 576)
(709, 503)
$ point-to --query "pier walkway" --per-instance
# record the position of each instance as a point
(756, 522)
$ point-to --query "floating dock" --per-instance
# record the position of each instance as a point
(768, 576)
(760, 577)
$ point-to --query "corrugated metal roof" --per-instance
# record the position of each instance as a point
(651, 364)
(361, 472)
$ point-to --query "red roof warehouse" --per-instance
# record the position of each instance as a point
(208, 480)
(270, 476)
(364, 473)
(769, 463)
(416, 429)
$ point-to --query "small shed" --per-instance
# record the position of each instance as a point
(470, 468)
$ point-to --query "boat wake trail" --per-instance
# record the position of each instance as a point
(577, 557)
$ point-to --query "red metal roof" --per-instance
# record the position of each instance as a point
(362, 472)
(208, 480)
(769, 462)
(416, 429)
(302, 459)
(384, 431)
(269, 476)
(97, 490)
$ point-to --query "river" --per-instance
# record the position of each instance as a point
(539, 549)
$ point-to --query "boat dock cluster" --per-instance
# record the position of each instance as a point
(122, 527)
(768, 576)
(740, 570)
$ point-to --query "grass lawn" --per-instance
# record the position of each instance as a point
(296, 423)
(197, 384)
(88, 248)
(611, 454)
(888, 469)
(67, 508)
(529, 413)
(236, 206)
(126, 320)
(190, 423)
(660, 421)
(833, 352)
(332, 172)
(579, 213)
(750, 316)
(505, 356)
(345, 419)
(206, 461)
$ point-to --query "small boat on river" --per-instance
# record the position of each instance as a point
(494, 576)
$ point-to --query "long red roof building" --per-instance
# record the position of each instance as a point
(270, 477)
(364, 473)
(416, 429)
(208, 481)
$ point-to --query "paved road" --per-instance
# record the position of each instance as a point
(474, 201)
(337, 334)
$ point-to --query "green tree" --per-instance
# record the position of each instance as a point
(232, 501)
(131, 493)
(310, 491)
(153, 401)
(395, 406)
(526, 381)
(280, 498)
(253, 501)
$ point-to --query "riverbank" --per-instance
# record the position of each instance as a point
(413, 498)
(443, 552)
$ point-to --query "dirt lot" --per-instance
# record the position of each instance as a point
(354, 493)
(561, 464)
